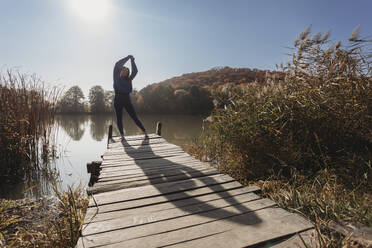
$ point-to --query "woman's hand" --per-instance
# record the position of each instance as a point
(131, 57)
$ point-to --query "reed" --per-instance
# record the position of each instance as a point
(53, 222)
(307, 140)
(27, 113)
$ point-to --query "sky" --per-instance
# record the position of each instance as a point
(77, 42)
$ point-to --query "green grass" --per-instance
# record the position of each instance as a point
(307, 139)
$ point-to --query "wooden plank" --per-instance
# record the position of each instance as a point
(272, 227)
(162, 203)
(137, 142)
(309, 237)
(159, 189)
(150, 161)
(147, 156)
(139, 230)
(203, 208)
(136, 137)
(124, 184)
(156, 146)
(177, 175)
(134, 171)
(148, 171)
(175, 198)
(237, 228)
(355, 231)
(173, 158)
(135, 152)
(152, 172)
(153, 147)
(156, 150)
(130, 169)
(164, 174)
(144, 154)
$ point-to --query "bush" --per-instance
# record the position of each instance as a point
(306, 140)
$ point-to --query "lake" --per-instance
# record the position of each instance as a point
(83, 138)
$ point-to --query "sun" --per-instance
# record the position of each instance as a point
(91, 10)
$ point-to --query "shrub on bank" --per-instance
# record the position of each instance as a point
(305, 137)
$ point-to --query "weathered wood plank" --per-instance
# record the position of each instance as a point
(176, 198)
(136, 137)
(182, 159)
(145, 147)
(139, 155)
(236, 228)
(159, 189)
(156, 178)
(154, 159)
(147, 156)
(149, 170)
(271, 228)
(157, 150)
(147, 175)
(125, 184)
(309, 237)
(133, 143)
(207, 209)
(163, 203)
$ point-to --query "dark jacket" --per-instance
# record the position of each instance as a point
(123, 85)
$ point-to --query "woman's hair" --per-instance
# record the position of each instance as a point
(124, 72)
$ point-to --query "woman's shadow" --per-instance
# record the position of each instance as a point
(212, 212)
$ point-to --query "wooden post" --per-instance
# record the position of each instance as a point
(158, 128)
(109, 137)
(93, 168)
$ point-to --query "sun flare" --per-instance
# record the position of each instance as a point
(91, 10)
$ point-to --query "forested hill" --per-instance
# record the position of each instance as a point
(191, 92)
(186, 94)
(218, 76)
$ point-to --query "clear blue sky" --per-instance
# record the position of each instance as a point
(68, 42)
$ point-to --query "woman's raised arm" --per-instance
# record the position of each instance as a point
(119, 65)
(134, 68)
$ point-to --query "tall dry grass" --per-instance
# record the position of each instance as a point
(307, 140)
(26, 123)
(51, 223)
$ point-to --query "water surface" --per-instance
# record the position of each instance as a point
(83, 138)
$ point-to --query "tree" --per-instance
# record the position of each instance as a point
(109, 100)
(72, 101)
(97, 99)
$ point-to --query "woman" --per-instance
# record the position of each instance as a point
(123, 88)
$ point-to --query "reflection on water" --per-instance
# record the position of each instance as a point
(99, 126)
(73, 125)
(83, 138)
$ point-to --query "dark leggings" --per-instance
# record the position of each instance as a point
(123, 101)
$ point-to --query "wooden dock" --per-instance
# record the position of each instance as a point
(150, 193)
